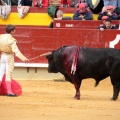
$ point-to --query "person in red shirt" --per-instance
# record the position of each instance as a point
(40, 3)
(65, 3)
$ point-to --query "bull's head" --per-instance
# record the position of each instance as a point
(51, 62)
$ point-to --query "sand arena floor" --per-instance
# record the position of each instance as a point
(53, 100)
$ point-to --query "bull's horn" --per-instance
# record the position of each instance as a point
(45, 54)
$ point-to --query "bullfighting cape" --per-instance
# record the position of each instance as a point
(5, 43)
(15, 86)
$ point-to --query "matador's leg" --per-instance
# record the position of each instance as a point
(9, 71)
(2, 66)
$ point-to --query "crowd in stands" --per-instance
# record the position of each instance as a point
(61, 3)
(23, 6)
(107, 14)
(110, 9)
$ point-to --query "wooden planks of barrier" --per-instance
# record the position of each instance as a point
(34, 41)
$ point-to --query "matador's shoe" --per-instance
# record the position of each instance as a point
(11, 95)
(9, 90)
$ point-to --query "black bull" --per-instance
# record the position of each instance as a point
(97, 63)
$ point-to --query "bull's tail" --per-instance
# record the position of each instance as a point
(97, 83)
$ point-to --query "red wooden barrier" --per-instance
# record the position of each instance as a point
(87, 24)
(34, 41)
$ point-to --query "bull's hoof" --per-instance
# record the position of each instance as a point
(77, 97)
(114, 99)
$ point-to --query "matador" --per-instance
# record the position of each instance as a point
(8, 48)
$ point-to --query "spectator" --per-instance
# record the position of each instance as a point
(2, 2)
(118, 25)
(72, 3)
(104, 18)
(88, 3)
(59, 17)
(95, 6)
(26, 2)
(108, 11)
(107, 25)
(76, 3)
(117, 9)
(110, 2)
(5, 8)
(65, 3)
(23, 7)
(83, 13)
(118, 3)
(54, 2)
(14, 2)
(8, 2)
(40, 3)
(19, 2)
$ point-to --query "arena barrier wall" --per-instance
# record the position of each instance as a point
(34, 41)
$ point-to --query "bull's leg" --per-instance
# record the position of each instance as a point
(116, 89)
(77, 87)
(115, 79)
(77, 95)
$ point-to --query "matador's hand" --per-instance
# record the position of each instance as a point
(26, 60)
